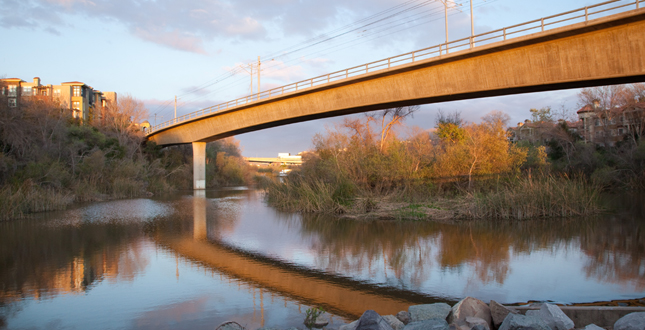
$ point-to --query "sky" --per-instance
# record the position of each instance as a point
(200, 50)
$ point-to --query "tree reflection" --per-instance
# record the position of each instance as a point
(406, 252)
(38, 260)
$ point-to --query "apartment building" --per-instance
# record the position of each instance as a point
(595, 124)
(608, 126)
(83, 101)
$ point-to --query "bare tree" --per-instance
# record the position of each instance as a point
(390, 118)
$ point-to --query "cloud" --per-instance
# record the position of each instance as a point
(173, 39)
(189, 25)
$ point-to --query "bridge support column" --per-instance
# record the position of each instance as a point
(199, 165)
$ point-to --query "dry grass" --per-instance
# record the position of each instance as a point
(30, 198)
(549, 196)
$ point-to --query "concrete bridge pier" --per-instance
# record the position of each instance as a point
(199, 165)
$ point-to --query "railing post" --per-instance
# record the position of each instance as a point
(388, 63)
(312, 82)
(439, 49)
(296, 86)
(346, 73)
(542, 20)
(413, 57)
(328, 77)
(587, 13)
(638, 3)
(471, 42)
(282, 90)
(367, 69)
(504, 34)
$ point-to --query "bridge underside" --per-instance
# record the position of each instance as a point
(605, 51)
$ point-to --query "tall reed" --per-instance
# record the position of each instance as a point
(310, 195)
(547, 196)
(29, 198)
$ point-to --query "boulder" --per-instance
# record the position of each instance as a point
(592, 327)
(394, 322)
(403, 316)
(429, 311)
(523, 322)
(230, 325)
(479, 327)
(553, 316)
(370, 320)
(351, 326)
(631, 321)
(470, 306)
(498, 312)
(473, 322)
(431, 324)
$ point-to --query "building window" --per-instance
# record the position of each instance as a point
(26, 91)
(12, 103)
(4, 90)
(621, 131)
(77, 91)
(76, 108)
(13, 91)
(56, 92)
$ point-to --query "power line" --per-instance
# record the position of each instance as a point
(328, 50)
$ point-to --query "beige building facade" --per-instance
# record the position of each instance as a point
(84, 102)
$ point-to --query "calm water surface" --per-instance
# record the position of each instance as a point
(193, 262)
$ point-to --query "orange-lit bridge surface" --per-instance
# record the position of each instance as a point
(593, 52)
(339, 295)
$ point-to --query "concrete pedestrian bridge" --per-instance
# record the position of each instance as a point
(567, 50)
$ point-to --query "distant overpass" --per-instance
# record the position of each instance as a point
(285, 161)
(601, 51)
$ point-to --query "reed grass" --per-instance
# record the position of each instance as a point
(547, 196)
(310, 195)
(28, 198)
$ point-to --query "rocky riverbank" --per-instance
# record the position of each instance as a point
(474, 314)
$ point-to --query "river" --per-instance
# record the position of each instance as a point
(195, 261)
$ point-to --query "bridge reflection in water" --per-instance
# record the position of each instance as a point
(338, 295)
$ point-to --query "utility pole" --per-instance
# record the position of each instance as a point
(250, 71)
(259, 63)
(445, 12)
(472, 25)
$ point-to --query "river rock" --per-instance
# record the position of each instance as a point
(498, 312)
(470, 306)
(523, 322)
(631, 321)
(431, 324)
(403, 316)
(351, 326)
(394, 322)
(553, 316)
(473, 322)
(321, 321)
(592, 327)
(231, 325)
(429, 311)
(370, 320)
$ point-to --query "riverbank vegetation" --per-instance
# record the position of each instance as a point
(466, 170)
(50, 160)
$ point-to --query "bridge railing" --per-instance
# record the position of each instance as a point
(583, 14)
